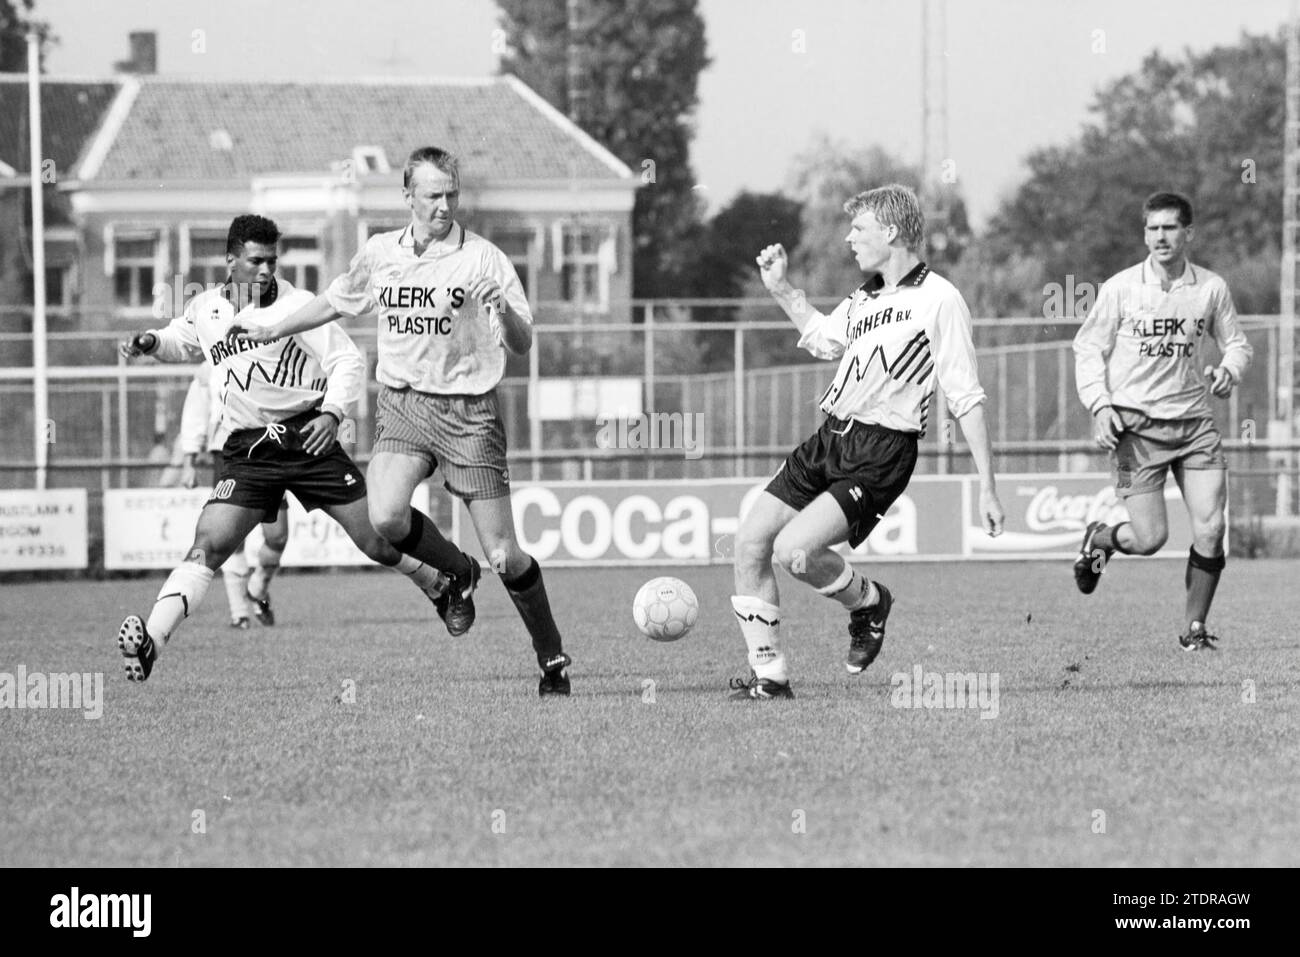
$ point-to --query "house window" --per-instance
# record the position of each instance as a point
(135, 260)
(518, 246)
(301, 261)
(584, 278)
(208, 258)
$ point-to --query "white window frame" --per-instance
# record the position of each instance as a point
(128, 232)
(602, 258)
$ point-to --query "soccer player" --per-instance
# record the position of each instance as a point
(449, 306)
(283, 402)
(1141, 370)
(897, 335)
(247, 591)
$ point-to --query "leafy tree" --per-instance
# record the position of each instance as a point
(640, 61)
(724, 248)
(15, 22)
(1208, 125)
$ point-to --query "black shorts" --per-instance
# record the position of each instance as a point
(217, 458)
(258, 467)
(864, 467)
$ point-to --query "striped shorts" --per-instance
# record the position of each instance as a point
(462, 434)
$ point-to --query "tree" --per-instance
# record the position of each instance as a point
(1208, 125)
(639, 62)
(724, 248)
(15, 23)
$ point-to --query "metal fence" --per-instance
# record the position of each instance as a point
(720, 387)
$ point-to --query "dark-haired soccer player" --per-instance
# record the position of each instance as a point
(449, 306)
(283, 403)
(1141, 370)
(896, 336)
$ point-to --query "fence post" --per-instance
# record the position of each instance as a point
(649, 370)
(739, 444)
(534, 413)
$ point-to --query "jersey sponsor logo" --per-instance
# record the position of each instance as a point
(224, 489)
(420, 325)
(418, 297)
(879, 318)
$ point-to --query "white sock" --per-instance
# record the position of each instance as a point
(427, 578)
(177, 599)
(852, 590)
(760, 623)
(234, 573)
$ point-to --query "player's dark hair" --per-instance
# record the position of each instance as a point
(250, 229)
(1175, 201)
(439, 158)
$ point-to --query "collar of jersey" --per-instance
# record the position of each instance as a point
(271, 294)
(915, 276)
(1188, 278)
(408, 239)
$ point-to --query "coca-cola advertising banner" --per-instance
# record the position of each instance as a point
(1046, 516)
(695, 522)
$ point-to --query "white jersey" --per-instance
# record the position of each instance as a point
(1143, 348)
(893, 345)
(267, 382)
(432, 336)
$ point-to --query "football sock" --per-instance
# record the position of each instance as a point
(760, 623)
(852, 590)
(426, 543)
(268, 563)
(427, 578)
(528, 592)
(234, 573)
(1201, 579)
(179, 597)
(1108, 540)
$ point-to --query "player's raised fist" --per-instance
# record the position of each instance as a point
(140, 344)
(772, 262)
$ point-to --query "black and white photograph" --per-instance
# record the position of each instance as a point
(651, 434)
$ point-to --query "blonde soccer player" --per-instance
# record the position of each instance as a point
(449, 306)
(900, 335)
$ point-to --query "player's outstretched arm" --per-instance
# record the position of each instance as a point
(311, 316)
(975, 429)
(772, 266)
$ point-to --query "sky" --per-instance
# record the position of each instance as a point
(1020, 73)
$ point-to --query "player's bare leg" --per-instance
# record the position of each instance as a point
(756, 602)
(1145, 533)
(1206, 493)
(355, 519)
(390, 482)
(803, 548)
(220, 530)
(275, 538)
(495, 525)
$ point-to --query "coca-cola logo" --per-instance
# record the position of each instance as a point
(1049, 510)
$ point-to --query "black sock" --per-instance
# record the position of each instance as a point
(1201, 579)
(528, 592)
(426, 543)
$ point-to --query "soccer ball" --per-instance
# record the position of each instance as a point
(665, 609)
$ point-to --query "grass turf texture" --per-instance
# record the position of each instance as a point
(448, 757)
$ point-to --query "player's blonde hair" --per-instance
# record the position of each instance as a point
(893, 205)
(434, 156)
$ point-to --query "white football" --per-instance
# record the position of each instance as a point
(665, 609)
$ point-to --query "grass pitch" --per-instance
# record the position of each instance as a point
(356, 732)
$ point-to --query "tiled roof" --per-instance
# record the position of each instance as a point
(496, 126)
(70, 113)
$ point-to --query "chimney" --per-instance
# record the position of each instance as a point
(144, 54)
